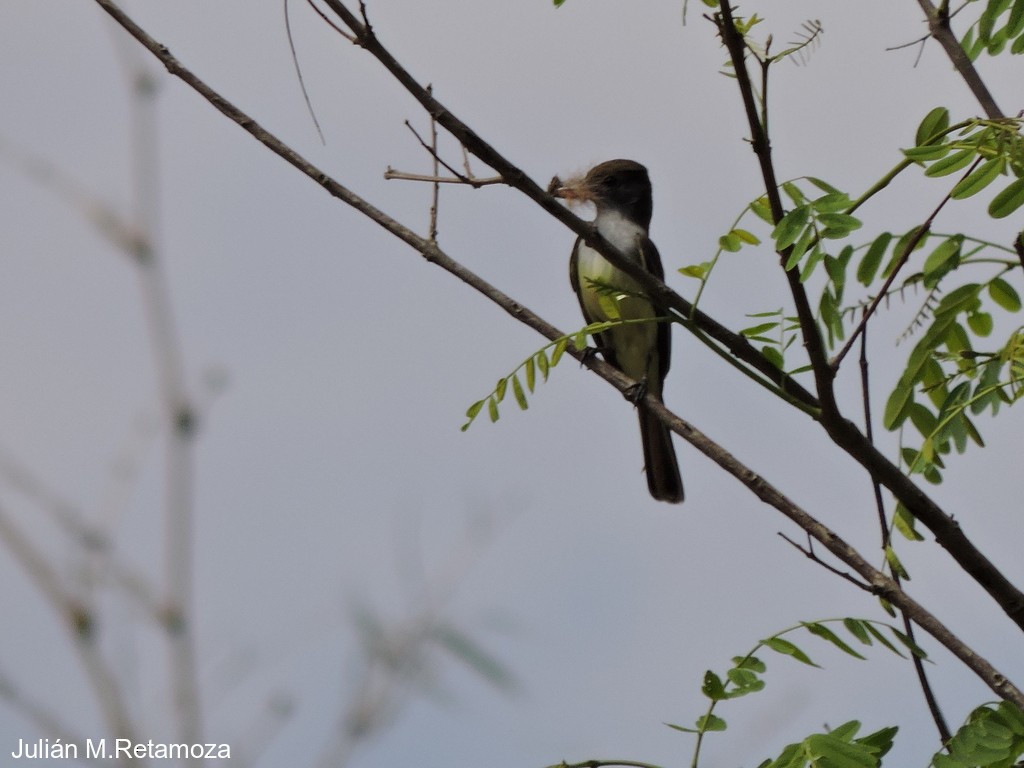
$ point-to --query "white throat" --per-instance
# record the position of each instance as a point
(621, 232)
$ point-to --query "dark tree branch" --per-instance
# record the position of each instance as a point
(840, 429)
(939, 26)
(881, 584)
(761, 144)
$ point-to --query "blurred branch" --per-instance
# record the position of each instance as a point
(881, 584)
(89, 538)
(178, 412)
(396, 655)
(107, 221)
(67, 516)
(45, 720)
(79, 620)
(135, 239)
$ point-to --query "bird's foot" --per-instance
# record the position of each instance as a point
(636, 392)
(589, 353)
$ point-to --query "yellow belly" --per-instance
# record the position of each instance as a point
(634, 344)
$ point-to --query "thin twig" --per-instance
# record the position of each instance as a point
(919, 233)
(436, 187)
(432, 148)
(925, 38)
(458, 178)
(809, 553)
(298, 70)
(330, 22)
(392, 174)
(908, 626)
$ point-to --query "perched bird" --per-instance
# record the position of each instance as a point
(621, 192)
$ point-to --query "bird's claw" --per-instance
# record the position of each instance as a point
(636, 392)
(589, 353)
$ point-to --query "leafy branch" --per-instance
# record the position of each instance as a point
(538, 361)
(745, 675)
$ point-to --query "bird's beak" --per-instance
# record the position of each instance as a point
(574, 190)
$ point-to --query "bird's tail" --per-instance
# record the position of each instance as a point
(660, 462)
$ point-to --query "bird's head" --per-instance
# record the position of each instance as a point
(620, 185)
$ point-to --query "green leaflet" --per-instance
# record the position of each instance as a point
(979, 178)
(941, 260)
(951, 163)
(517, 390)
(934, 125)
(868, 267)
(785, 647)
(790, 227)
(1008, 200)
(1005, 295)
(825, 633)
(710, 723)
